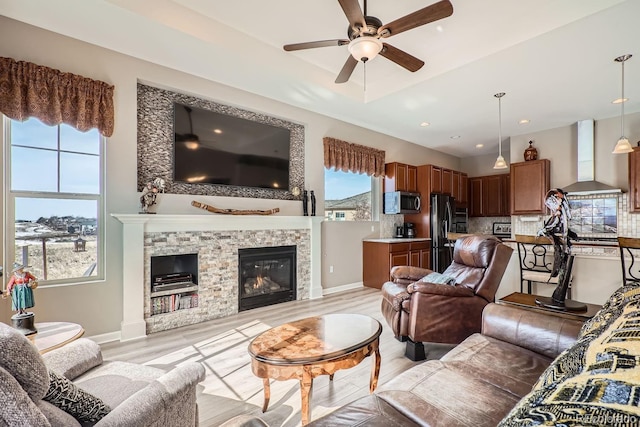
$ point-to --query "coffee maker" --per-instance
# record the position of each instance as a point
(409, 229)
(400, 231)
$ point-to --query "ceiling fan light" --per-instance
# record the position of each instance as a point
(623, 146)
(500, 163)
(365, 48)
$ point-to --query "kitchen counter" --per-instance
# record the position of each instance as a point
(587, 243)
(399, 240)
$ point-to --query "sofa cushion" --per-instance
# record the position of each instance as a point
(115, 381)
(56, 416)
(73, 400)
(370, 411)
(596, 381)
(21, 359)
(507, 366)
(17, 408)
(437, 393)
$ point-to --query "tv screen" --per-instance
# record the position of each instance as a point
(215, 148)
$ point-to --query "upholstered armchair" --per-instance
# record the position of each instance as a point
(418, 310)
(73, 386)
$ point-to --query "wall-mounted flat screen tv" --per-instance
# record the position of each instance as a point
(216, 148)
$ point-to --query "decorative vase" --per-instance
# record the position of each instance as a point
(313, 204)
(531, 153)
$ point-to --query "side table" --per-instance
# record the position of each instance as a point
(52, 335)
(528, 301)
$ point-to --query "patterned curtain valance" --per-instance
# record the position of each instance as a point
(345, 156)
(54, 97)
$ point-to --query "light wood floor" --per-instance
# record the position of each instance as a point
(231, 389)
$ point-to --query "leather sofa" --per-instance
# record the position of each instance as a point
(475, 384)
(526, 368)
(423, 311)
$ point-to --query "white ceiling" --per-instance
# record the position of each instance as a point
(553, 58)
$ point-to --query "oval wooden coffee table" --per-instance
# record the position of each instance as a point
(315, 346)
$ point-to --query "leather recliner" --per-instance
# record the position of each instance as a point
(419, 311)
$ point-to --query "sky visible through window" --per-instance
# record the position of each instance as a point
(340, 185)
(36, 170)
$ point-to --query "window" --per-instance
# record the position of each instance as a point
(54, 200)
(348, 196)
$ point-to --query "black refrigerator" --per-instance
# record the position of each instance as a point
(442, 209)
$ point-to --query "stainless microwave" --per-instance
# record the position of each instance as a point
(401, 202)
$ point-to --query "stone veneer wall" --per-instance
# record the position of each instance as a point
(218, 269)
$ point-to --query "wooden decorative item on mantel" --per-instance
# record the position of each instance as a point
(213, 209)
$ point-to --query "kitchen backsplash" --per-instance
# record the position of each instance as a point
(388, 224)
(628, 223)
(484, 225)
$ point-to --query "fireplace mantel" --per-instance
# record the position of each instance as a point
(133, 324)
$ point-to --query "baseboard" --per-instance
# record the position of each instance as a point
(342, 288)
(105, 338)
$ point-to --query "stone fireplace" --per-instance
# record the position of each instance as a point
(217, 240)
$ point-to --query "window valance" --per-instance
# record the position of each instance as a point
(345, 156)
(55, 97)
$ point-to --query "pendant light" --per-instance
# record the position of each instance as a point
(623, 145)
(500, 162)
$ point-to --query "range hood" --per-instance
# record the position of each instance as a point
(586, 183)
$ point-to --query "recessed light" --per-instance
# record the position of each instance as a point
(524, 121)
(479, 145)
(619, 100)
(439, 28)
(455, 137)
(218, 131)
(425, 124)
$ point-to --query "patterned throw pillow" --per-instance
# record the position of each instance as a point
(76, 402)
(439, 278)
(595, 382)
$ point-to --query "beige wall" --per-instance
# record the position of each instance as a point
(98, 306)
(341, 240)
(482, 165)
(560, 145)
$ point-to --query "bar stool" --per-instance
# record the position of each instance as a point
(535, 254)
(630, 249)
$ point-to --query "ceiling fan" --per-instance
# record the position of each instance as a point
(365, 34)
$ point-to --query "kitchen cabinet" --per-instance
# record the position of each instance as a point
(489, 195)
(475, 196)
(634, 180)
(455, 186)
(463, 191)
(436, 179)
(380, 256)
(400, 177)
(529, 186)
(447, 182)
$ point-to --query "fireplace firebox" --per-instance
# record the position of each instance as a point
(266, 276)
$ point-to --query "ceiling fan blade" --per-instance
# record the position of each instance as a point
(401, 57)
(347, 70)
(311, 45)
(354, 14)
(436, 11)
